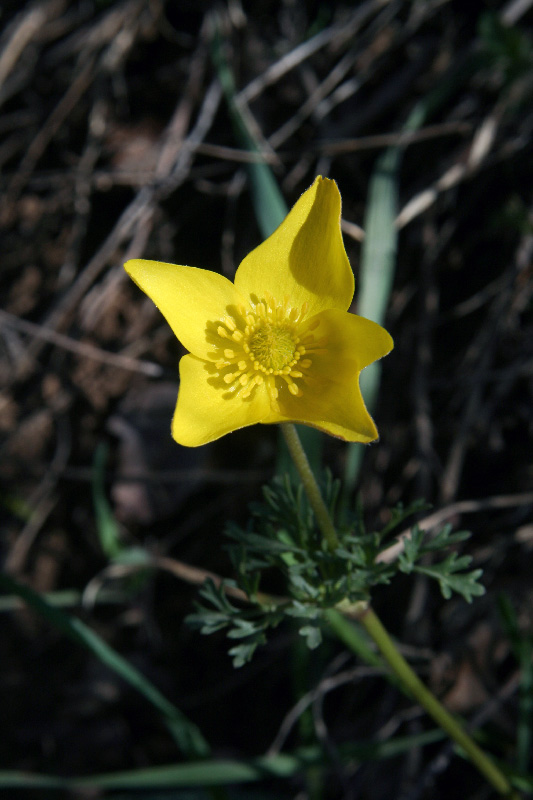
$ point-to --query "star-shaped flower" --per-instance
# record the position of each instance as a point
(278, 344)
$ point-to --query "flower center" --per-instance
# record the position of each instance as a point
(273, 347)
(267, 344)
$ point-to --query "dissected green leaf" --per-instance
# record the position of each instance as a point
(450, 572)
(312, 636)
(317, 580)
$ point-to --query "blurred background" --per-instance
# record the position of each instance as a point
(117, 141)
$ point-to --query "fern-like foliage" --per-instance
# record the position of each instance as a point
(282, 537)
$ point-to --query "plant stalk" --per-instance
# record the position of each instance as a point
(409, 681)
(310, 484)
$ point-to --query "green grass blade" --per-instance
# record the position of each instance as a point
(227, 772)
(378, 255)
(269, 206)
(65, 598)
(524, 735)
(106, 524)
(522, 647)
(16, 779)
(187, 735)
(376, 276)
(270, 211)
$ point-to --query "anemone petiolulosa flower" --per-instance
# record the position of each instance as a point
(278, 344)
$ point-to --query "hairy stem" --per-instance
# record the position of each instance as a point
(310, 485)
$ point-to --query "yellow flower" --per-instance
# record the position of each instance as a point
(278, 345)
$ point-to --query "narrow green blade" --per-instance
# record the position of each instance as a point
(522, 647)
(378, 257)
(226, 772)
(106, 524)
(187, 735)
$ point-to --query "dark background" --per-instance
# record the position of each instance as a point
(105, 111)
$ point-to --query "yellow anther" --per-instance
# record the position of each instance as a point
(268, 340)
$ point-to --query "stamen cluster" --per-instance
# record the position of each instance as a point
(268, 343)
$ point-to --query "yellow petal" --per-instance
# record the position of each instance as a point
(207, 409)
(188, 297)
(304, 259)
(337, 409)
(331, 399)
(347, 338)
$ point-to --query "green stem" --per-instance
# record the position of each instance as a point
(310, 485)
(427, 700)
(371, 623)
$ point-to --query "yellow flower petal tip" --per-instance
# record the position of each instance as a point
(278, 344)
